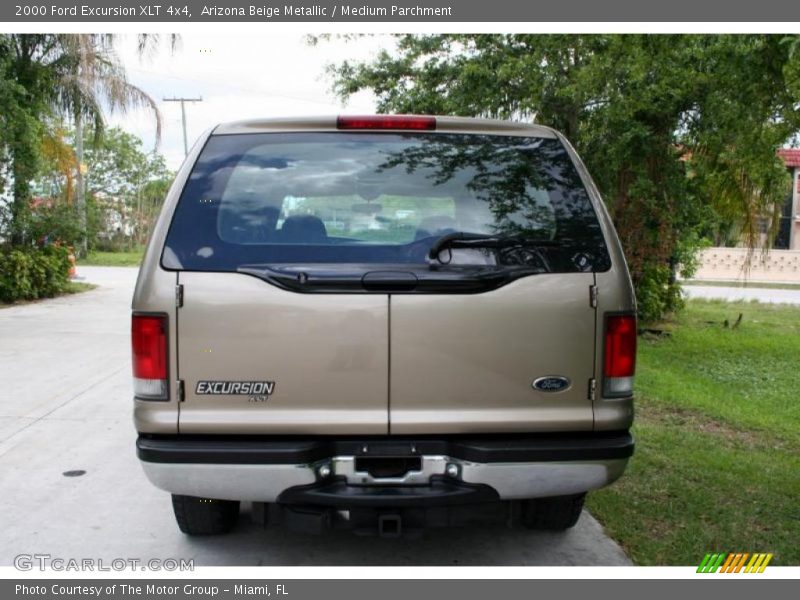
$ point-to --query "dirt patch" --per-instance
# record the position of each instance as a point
(696, 421)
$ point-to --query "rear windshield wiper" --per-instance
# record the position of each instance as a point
(463, 239)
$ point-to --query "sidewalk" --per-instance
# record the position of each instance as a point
(779, 296)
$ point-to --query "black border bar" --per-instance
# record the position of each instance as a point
(399, 11)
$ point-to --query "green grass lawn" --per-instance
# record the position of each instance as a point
(76, 287)
(113, 259)
(717, 462)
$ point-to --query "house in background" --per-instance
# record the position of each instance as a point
(789, 232)
(782, 263)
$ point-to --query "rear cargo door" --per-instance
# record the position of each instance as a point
(365, 282)
(256, 359)
(467, 363)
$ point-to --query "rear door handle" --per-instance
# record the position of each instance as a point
(389, 281)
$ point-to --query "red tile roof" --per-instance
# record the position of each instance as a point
(790, 156)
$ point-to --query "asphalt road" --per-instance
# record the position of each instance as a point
(65, 405)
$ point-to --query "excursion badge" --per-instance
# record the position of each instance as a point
(235, 388)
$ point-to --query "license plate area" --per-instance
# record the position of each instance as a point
(387, 469)
(382, 467)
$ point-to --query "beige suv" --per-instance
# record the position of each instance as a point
(377, 321)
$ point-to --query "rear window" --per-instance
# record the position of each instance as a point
(363, 198)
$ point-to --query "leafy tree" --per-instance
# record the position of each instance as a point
(57, 75)
(23, 88)
(148, 202)
(126, 181)
(679, 131)
(59, 164)
(88, 77)
(125, 188)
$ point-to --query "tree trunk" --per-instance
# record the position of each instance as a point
(23, 169)
(80, 189)
(20, 204)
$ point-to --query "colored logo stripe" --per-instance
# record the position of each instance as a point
(734, 562)
(711, 563)
(758, 563)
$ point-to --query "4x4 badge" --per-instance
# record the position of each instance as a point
(551, 383)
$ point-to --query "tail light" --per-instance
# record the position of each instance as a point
(150, 355)
(620, 355)
(386, 122)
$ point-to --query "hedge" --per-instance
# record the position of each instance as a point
(31, 273)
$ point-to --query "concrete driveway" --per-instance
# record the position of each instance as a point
(65, 405)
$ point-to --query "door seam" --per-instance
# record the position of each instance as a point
(389, 364)
(596, 309)
(177, 355)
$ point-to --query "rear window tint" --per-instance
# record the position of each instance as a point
(377, 198)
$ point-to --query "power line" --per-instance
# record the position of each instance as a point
(183, 102)
(228, 86)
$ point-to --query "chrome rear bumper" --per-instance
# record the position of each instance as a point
(230, 476)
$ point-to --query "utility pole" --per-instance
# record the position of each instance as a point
(183, 102)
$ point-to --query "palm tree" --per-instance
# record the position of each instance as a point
(93, 79)
(74, 76)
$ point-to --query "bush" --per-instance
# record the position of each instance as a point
(52, 221)
(31, 273)
(657, 294)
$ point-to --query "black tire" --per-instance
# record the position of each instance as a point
(204, 516)
(554, 514)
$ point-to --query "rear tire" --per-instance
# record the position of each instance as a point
(554, 514)
(204, 516)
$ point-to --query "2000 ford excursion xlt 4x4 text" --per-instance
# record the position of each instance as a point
(375, 321)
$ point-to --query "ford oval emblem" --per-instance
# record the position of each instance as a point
(551, 383)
